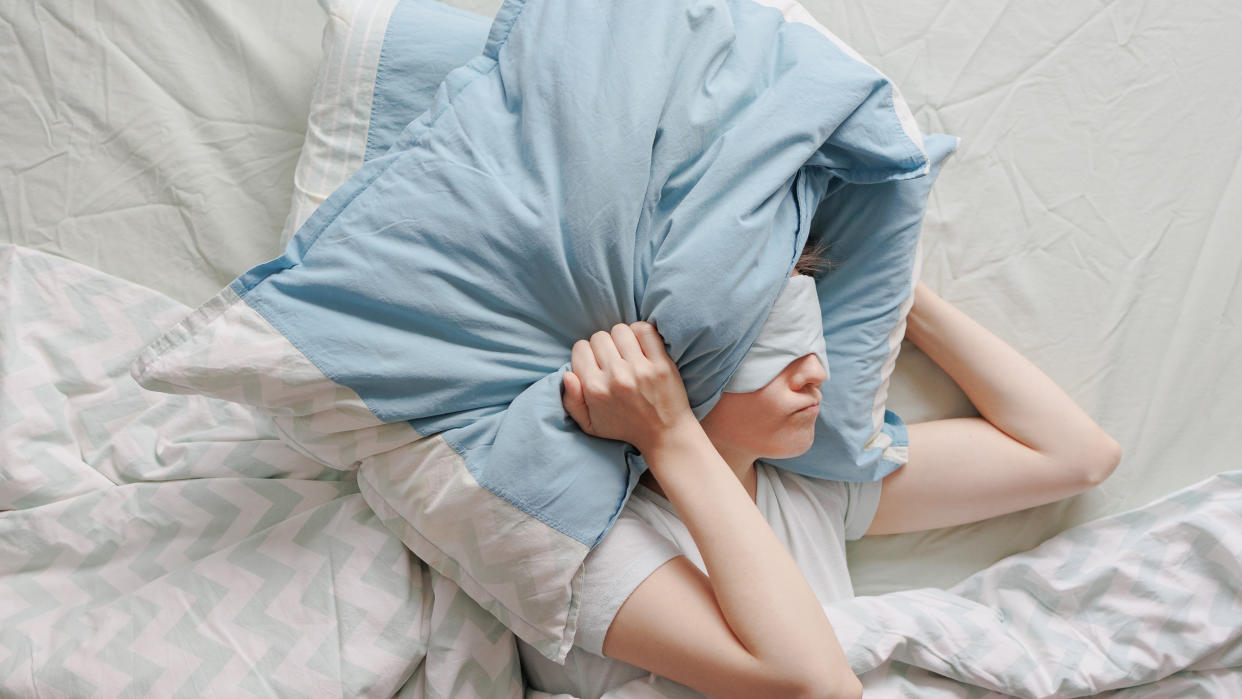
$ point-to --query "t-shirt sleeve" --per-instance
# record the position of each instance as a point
(862, 500)
(630, 552)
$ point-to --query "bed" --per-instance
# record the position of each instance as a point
(1089, 217)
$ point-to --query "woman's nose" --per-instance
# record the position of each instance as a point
(809, 370)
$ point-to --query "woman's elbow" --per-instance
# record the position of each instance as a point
(1102, 459)
(845, 686)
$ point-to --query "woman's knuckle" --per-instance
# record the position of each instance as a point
(625, 380)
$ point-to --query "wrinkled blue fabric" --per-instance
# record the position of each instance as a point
(598, 163)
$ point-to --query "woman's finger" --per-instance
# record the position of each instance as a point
(582, 360)
(574, 402)
(651, 342)
(627, 343)
(606, 351)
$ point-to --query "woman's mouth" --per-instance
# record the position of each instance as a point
(810, 408)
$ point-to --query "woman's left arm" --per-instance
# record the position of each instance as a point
(1032, 446)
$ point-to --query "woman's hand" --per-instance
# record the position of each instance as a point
(624, 386)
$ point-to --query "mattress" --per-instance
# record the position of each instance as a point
(1091, 217)
(154, 141)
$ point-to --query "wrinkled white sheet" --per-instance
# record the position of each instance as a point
(1092, 218)
(155, 141)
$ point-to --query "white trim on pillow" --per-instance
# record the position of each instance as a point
(340, 110)
(895, 337)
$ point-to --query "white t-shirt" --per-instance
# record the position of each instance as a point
(813, 518)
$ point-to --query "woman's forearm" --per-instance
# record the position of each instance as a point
(762, 593)
(1007, 389)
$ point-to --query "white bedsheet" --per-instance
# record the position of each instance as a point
(155, 141)
(1092, 218)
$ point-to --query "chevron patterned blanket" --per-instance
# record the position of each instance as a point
(171, 545)
(156, 545)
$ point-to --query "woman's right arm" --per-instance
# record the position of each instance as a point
(752, 626)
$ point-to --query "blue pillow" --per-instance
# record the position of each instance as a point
(423, 42)
(598, 163)
(872, 231)
(382, 63)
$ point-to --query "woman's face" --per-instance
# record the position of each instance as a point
(773, 422)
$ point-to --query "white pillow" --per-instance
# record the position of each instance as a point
(340, 109)
(435, 38)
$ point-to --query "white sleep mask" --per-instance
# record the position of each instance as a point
(793, 329)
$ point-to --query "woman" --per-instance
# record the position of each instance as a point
(747, 619)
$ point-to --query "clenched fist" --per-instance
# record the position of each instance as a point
(624, 386)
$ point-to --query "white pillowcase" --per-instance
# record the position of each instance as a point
(340, 109)
(367, 91)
